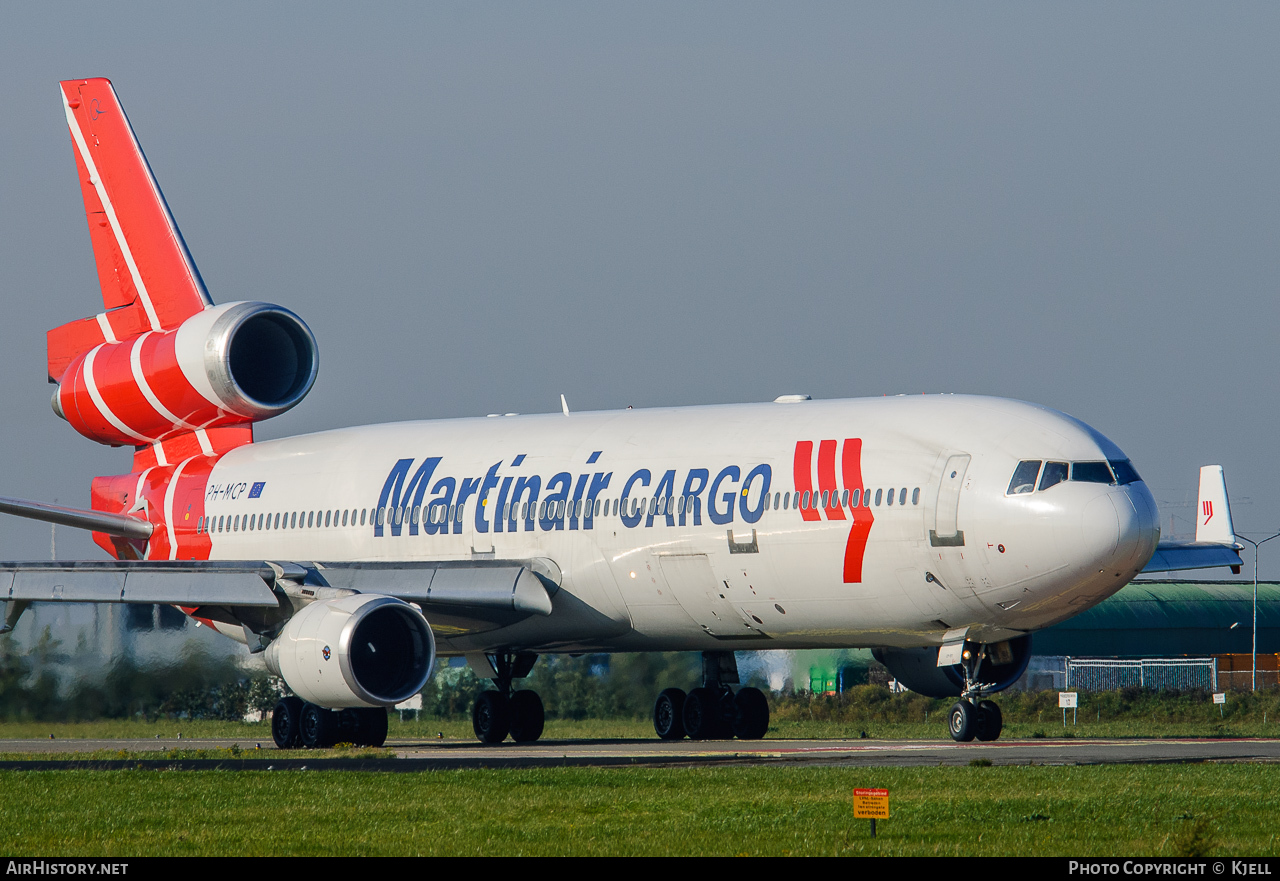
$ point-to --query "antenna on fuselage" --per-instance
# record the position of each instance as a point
(564, 405)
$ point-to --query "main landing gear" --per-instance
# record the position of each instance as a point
(296, 725)
(712, 711)
(502, 711)
(973, 716)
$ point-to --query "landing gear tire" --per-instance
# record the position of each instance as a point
(285, 719)
(668, 714)
(990, 721)
(962, 721)
(318, 727)
(371, 726)
(491, 717)
(701, 715)
(750, 714)
(527, 716)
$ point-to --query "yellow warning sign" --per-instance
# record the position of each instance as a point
(871, 804)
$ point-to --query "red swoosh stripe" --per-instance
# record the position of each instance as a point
(827, 478)
(855, 548)
(804, 477)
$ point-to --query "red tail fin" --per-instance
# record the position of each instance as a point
(149, 281)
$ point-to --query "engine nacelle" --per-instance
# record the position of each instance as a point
(227, 365)
(918, 669)
(359, 651)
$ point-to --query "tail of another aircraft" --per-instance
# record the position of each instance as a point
(1215, 543)
(1213, 513)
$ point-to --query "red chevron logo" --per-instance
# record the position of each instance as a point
(826, 498)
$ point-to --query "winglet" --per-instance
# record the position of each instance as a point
(1213, 511)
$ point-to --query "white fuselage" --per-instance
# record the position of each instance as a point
(715, 566)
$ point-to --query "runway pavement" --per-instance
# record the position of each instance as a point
(866, 752)
(443, 755)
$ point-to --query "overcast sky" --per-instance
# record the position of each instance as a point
(478, 207)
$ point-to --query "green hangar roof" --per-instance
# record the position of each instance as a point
(1152, 619)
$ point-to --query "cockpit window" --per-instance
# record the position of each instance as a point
(1125, 472)
(1024, 477)
(1091, 472)
(1054, 474)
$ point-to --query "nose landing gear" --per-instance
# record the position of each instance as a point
(968, 721)
(974, 717)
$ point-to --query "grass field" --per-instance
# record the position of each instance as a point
(866, 710)
(1042, 811)
(249, 733)
(567, 729)
(1002, 810)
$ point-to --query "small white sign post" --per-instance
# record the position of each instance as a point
(414, 704)
(1068, 699)
(1220, 698)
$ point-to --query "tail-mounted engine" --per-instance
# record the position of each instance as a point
(359, 651)
(226, 365)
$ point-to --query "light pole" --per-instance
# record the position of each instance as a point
(1254, 685)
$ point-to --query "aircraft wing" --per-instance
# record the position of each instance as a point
(185, 583)
(466, 596)
(463, 596)
(517, 585)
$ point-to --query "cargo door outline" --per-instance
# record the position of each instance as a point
(705, 598)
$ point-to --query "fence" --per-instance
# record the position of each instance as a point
(1108, 674)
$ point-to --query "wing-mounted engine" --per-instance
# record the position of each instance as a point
(918, 669)
(226, 365)
(356, 651)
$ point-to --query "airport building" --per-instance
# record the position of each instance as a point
(1167, 621)
(81, 641)
(1190, 634)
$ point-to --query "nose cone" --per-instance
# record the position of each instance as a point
(1101, 527)
(1144, 529)
(1120, 529)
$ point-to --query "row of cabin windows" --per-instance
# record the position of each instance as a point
(545, 510)
(1115, 472)
(286, 520)
(856, 498)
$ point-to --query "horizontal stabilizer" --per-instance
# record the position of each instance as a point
(1172, 555)
(119, 525)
